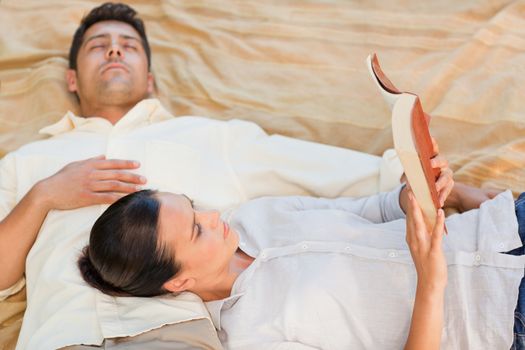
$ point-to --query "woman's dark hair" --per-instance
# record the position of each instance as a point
(108, 12)
(124, 256)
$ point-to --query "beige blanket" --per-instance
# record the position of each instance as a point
(296, 67)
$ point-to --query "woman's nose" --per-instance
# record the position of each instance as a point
(211, 218)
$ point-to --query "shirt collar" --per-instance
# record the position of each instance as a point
(215, 307)
(147, 111)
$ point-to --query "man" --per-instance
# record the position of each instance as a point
(52, 191)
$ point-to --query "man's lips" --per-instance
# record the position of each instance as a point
(114, 66)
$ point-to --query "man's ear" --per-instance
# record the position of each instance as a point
(179, 284)
(71, 79)
(151, 83)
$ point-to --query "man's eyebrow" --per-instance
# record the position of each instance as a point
(106, 35)
(93, 37)
(130, 37)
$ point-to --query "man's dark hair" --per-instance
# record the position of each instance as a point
(125, 256)
(108, 12)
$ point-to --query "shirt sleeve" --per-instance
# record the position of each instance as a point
(8, 190)
(8, 185)
(280, 165)
(378, 208)
(13, 289)
(291, 346)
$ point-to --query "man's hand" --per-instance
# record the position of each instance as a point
(89, 182)
(459, 196)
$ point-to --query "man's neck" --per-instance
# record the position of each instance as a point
(111, 113)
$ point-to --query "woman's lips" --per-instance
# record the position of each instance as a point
(226, 230)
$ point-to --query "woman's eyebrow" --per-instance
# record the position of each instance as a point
(193, 223)
(189, 199)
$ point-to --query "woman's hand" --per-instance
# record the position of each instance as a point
(425, 247)
(426, 250)
(445, 181)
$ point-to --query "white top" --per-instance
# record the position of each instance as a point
(337, 274)
(219, 164)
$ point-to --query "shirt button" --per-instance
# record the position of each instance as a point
(477, 257)
(263, 255)
(242, 244)
(305, 246)
(348, 249)
(501, 245)
(392, 254)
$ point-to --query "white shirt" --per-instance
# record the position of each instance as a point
(219, 164)
(337, 275)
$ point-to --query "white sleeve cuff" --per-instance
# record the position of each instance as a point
(13, 289)
(390, 171)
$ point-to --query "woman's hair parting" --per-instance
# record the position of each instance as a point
(124, 256)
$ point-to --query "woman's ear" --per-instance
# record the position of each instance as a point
(179, 284)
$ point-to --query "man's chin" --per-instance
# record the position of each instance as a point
(118, 95)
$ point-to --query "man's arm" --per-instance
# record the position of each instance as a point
(79, 184)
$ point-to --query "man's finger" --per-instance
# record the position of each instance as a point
(114, 186)
(98, 157)
(120, 175)
(116, 164)
(107, 197)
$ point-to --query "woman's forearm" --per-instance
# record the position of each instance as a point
(427, 319)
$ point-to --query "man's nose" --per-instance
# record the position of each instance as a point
(114, 51)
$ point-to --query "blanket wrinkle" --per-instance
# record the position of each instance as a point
(296, 68)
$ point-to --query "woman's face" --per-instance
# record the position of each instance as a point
(202, 243)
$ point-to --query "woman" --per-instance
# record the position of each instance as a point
(303, 273)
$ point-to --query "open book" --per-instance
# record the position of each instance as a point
(411, 140)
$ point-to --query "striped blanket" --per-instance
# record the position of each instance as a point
(296, 67)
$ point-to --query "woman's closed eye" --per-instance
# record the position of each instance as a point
(199, 230)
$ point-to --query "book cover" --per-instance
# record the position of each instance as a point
(412, 141)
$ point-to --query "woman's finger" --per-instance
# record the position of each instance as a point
(443, 195)
(417, 220)
(439, 227)
(435, 147)
(439, 161)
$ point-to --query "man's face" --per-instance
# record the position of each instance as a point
(112, 66)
